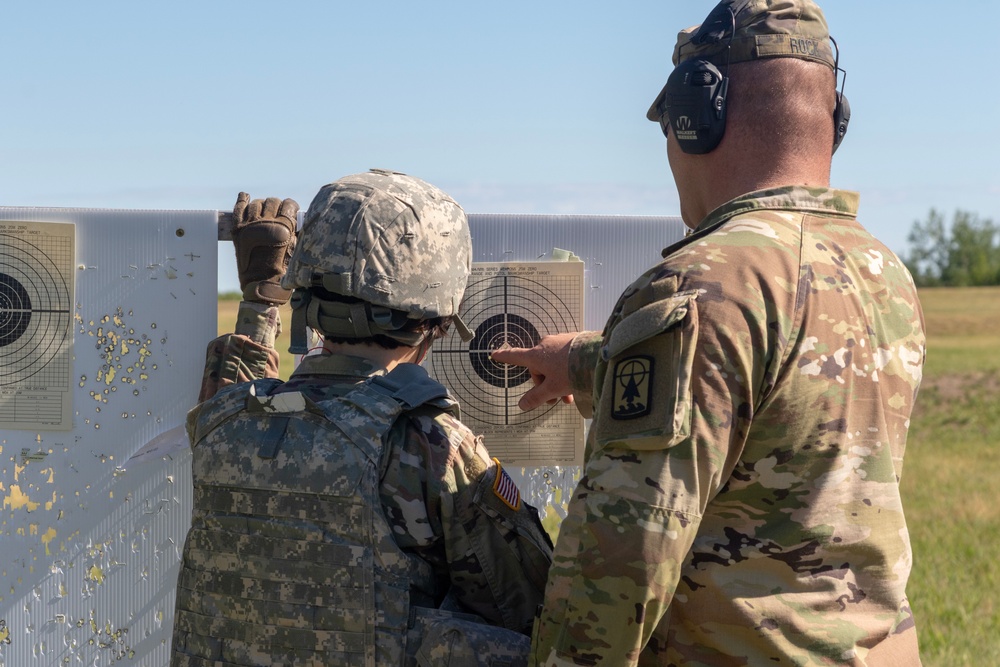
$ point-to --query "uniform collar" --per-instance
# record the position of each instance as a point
(824, 201)
(337, 364)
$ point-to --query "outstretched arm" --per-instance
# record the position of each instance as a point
(264, 237)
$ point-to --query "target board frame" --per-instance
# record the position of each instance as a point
(513, 304)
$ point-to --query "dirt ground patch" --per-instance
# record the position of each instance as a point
(958, 386)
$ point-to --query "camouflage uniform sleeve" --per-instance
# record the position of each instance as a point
(244, 355)
(584, 352)
(670, 408)
(616, 565)
(457, 509)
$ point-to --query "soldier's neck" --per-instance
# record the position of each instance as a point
(380, 356)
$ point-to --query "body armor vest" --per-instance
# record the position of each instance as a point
(290, 559)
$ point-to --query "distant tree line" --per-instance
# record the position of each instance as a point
(965, 253)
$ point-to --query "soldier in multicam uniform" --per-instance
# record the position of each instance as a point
(347, 516)
(751, 395)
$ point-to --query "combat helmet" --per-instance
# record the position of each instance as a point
(398, 245)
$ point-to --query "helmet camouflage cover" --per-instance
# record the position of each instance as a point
(391, 240)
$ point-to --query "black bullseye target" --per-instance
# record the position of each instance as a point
(15, 310)
(495, 332)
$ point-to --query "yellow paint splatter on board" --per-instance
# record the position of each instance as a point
(49, 535)
(17, 499)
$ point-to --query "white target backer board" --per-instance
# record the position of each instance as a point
(105, 314)
(93, 518)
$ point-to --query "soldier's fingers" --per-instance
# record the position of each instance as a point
(254, 208)
(565, 399)
(270, 209)
(242, 199)
(517, 356)
(289, 209)
(543, 392)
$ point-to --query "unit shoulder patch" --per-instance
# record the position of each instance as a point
(633, 387)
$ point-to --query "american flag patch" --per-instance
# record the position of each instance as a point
(505, 488)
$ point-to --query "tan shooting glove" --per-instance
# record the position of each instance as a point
(264, 237)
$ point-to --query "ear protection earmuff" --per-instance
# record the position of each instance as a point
(841, 117)
(694, 99)
(695, 106)
(842, 110)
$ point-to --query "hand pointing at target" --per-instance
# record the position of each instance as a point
(548, 363)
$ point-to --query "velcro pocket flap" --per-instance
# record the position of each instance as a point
(646, 400)
(646, 322)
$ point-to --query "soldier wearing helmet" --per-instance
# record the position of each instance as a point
(347, 516)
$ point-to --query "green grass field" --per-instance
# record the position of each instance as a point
(950, 478)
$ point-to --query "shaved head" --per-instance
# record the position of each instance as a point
(781, 108)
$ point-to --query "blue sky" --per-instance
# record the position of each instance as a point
(514, 107)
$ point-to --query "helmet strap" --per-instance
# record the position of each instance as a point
(300, 304)
(346, 320)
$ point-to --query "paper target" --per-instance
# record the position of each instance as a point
(35, 310)
(513, 305)
(36, 292)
